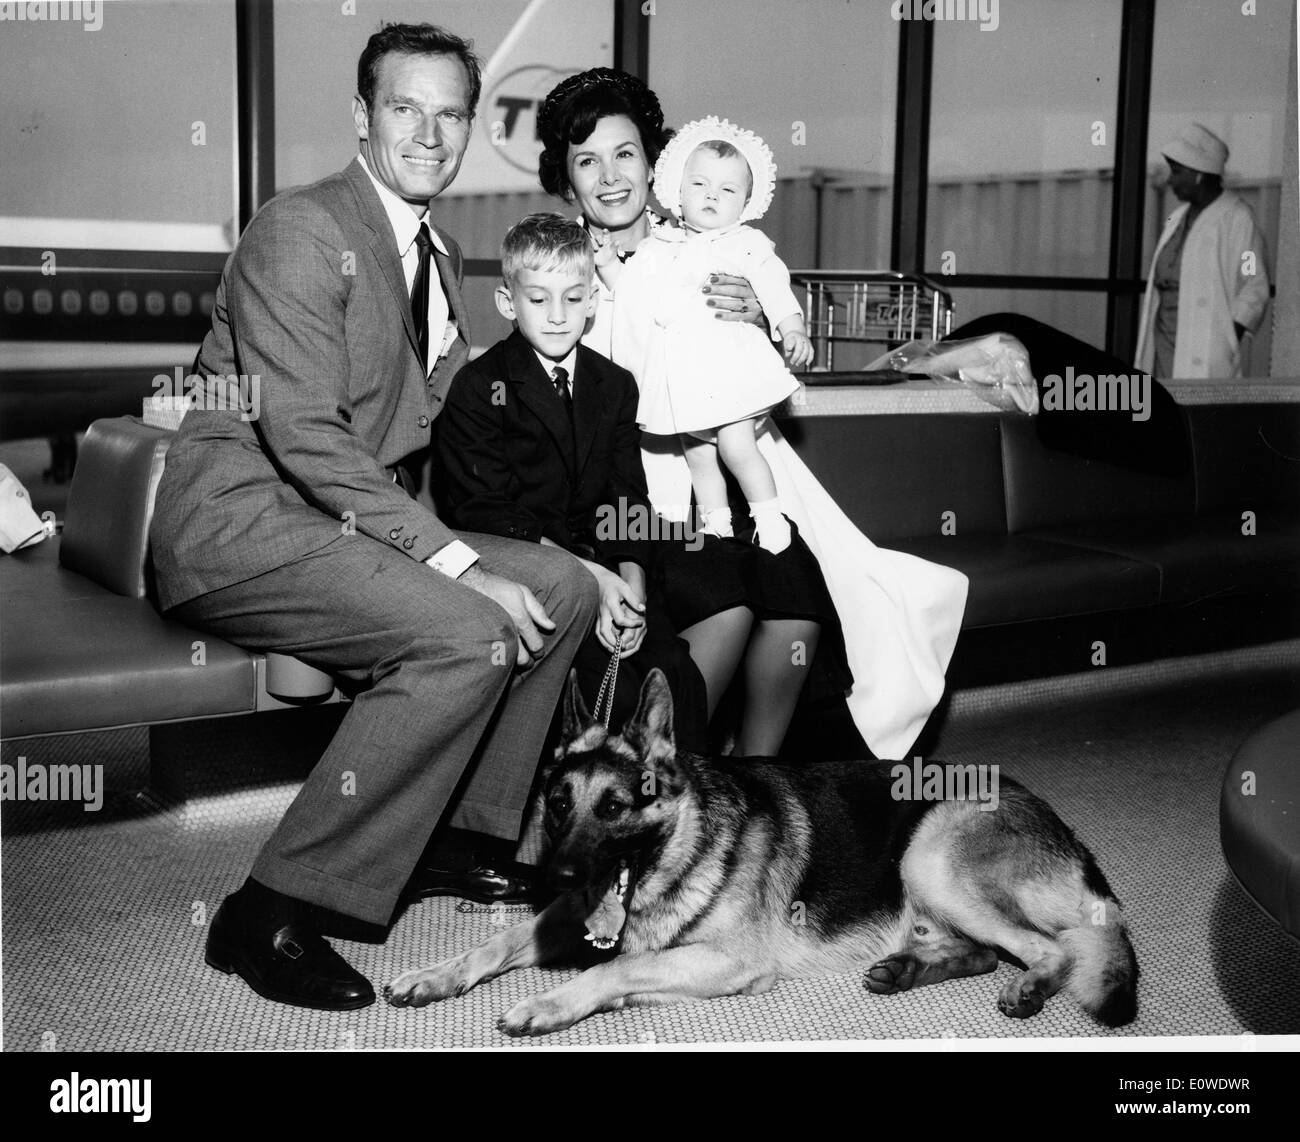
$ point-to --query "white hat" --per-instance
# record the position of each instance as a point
(672, 162)
(1198, 148)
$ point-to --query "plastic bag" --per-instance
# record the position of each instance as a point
(995, 367)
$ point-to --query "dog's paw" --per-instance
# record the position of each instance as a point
(892, 974)
(539, 1015)
(1021, 998)
(423, 986)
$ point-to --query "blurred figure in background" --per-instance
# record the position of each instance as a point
(1208, 284)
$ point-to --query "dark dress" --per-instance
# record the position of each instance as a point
(709, 575)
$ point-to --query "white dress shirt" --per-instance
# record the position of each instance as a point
(406, 225)
(569, 365)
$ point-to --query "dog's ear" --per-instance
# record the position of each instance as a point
(576, 716)
(650, 729)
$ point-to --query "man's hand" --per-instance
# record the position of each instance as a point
(528, 615)
(798, 349)
(733, 298)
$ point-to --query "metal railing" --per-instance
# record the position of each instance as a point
(882, 307)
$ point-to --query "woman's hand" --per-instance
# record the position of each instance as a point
(733, 298)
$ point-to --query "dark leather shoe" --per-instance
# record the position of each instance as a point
(484, 885)
(292, 964)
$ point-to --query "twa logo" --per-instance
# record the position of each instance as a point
(509, 113)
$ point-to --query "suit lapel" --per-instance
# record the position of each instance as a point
(536, 393)
(383, 245)
(451, 288)
(588, 403)
(385, 249)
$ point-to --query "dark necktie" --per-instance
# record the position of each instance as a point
(420, 293)
(560, 378)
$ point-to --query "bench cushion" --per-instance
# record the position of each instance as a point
(896, 476)
(76, 656)
(110, 503)
(1199, 558)
(1051, 489)
(1246, 456)
(1019, 578)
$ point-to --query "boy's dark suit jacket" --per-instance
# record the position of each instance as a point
(512, 466)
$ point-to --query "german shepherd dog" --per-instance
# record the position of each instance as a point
(702, 878)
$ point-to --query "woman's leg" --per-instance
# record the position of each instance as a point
(776, 668)
(717, 644)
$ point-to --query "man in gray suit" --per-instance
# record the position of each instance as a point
(295, 532)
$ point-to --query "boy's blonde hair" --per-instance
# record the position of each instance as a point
(546, 242)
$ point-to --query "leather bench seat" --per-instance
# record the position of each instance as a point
(902, 476)
(76, 656)
(1017, 578)
(1198, 558)
(1260, 829)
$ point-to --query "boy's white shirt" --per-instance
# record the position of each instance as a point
(569, 365)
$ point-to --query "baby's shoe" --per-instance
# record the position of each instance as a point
(717, 522)
(771, 528)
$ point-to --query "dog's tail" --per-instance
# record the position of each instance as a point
(1103, 966)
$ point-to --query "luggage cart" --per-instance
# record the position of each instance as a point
(881, 307)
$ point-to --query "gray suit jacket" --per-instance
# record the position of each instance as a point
(314, 305)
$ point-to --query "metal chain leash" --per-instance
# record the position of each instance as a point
(609, 681)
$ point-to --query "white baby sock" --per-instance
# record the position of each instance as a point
(717, 522)
(771, 528)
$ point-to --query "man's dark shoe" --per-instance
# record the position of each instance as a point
(290, 964)
(512, 884)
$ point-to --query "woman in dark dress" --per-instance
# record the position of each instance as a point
(739, 608)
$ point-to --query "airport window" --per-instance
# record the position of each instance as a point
(525, 49)
(70, 180)
(1022, 152)
(1225, 68)
(817, 81)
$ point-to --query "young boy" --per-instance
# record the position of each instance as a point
(538, 441)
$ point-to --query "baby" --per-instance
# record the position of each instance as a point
(703, 380)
